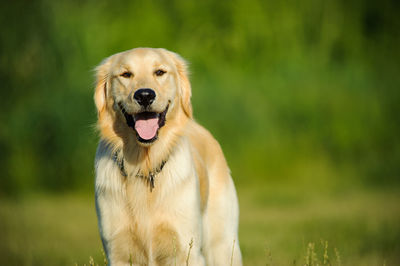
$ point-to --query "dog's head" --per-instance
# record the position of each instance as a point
(140, 93)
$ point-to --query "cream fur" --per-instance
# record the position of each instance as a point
(194, 197)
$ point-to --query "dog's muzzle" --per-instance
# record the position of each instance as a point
(145, 124)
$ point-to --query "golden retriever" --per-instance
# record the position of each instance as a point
(162, 181)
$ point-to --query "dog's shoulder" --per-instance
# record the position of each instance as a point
(205, 144)
(209, 159)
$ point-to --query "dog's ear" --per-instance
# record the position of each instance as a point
(184, 84)
(100, 93)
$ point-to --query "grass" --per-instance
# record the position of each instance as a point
(276, 227)
(190, 248)
(362, 226)
(48, 230)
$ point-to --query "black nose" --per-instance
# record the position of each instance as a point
(145, 96)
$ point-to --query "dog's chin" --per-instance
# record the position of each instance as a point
(146, 142)
(145, 125)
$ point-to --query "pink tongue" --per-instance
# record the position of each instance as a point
(147, 128)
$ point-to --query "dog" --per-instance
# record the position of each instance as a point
(164, 193)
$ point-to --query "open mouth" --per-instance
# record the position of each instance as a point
(145, 124)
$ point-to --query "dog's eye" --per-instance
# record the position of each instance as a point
(126, 74)
(160, 72)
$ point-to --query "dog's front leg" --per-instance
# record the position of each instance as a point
(121, 245)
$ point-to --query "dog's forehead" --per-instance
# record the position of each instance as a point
(144, 57)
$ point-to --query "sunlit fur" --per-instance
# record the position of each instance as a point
(194, 196)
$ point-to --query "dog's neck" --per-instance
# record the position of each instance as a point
(149, 177)
(136, 160)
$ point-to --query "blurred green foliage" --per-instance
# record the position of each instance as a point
(291, 89)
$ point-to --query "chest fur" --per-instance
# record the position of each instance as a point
(150, 224)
